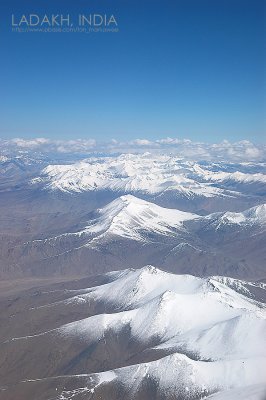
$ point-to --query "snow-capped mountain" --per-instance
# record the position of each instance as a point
(127, 173)
(40, 199)
(137, 333)
(136, 232)
(165, 336)
(128, 215)
(253, 216)
(143, 173)
(166, 180)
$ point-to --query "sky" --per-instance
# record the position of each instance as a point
(176, 68)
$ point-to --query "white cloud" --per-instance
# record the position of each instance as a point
(49, 145)
(30, 143)
(75, 146)
(168, 140)
(141, 142)
(238, 151)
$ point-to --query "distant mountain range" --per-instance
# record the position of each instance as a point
(169, 181)
(152, 174)
(166, 180)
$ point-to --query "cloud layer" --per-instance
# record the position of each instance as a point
(239, 151)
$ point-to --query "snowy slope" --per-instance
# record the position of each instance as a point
(227, 325)
(204, 336)
(237, 176)
(177, 376)
(204, 319)
(134, 218)
(252, 392)
(255, 216)
(127, 215)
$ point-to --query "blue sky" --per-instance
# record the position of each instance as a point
(185, 68)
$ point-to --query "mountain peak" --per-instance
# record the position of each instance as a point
(126, 199)
(252, 216)
(129, 216)
(257, 213)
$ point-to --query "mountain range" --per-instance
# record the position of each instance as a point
(131, 276)
(133, 232)
(135, 334)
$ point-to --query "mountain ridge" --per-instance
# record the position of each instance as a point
(137, 232)
(157, 344)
